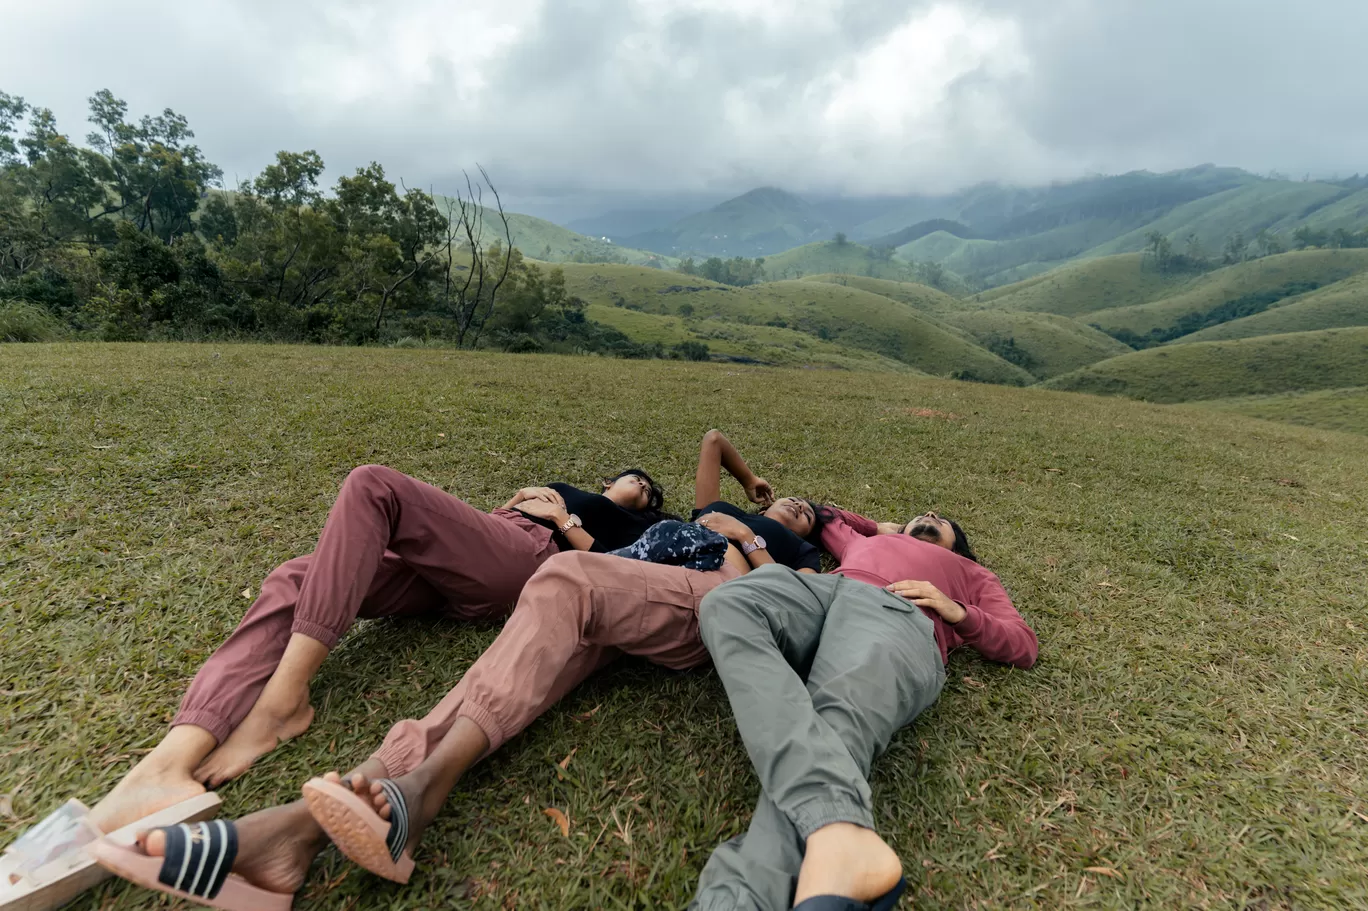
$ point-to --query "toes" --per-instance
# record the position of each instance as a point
(154, 842)
(360, 784)
(334, 777)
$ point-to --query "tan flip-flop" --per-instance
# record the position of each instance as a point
(50, 865)
(197, 866)
(358, 831)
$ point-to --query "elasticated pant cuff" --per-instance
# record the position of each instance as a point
(819, 812)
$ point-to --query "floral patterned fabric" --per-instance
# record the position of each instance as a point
(678, 544)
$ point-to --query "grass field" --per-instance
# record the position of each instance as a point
(1298, 361)
(827, 256)
(1191, 737)
(1329, 409)
(923, 297)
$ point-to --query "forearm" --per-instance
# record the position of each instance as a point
(578, 538)
(732, 461)
(1006, 639)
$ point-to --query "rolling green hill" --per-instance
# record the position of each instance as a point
(763, 221)
(848, 316)
(1299, 361)
(1329, 409)
(1341, 304)
(1081, 288)
(540, 239)
(1230, 293)
(1045, 344)
(827, 256)
(770, 345)
(923, 297)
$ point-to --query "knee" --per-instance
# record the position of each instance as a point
(564, 578)
(369, 478)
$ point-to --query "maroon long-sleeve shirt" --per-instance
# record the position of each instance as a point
(991, 624)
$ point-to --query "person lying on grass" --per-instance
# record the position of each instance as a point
(577, 613)
(821, 671)
(392, 546)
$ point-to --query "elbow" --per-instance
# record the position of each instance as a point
(1029, 653)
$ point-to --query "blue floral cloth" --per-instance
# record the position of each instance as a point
(678, 544)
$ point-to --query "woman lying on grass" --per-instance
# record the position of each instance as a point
(821, 671)
(392, 547)
(579, 612)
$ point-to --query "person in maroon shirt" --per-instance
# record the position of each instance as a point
(821, 671)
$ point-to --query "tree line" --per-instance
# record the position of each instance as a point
(132, 236)
(1161, 255)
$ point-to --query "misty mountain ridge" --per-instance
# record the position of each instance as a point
(996, 233)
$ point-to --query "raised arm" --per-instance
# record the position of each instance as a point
(715, 454)
(841, 528)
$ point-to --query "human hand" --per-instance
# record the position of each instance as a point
(728, 527)
(544, 509)
(890, 528)
(924, 594)
(758, 491)
(540, 493)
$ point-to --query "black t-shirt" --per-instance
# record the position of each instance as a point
(783, 545)
(610, 525)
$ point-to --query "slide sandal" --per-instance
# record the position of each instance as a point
(49, 865)
(358, 831)
(198, 867)
(841, 903)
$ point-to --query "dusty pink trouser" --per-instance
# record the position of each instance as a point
(576, 614)
(392, 547)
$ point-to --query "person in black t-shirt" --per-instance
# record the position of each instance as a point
(777, 535)
(598, 522)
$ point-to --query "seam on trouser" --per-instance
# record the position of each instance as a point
(213, 722)
(324, 634)
(813, 814)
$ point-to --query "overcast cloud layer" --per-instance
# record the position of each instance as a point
(861, 97)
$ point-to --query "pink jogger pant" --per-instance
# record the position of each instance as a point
(578, 612)
(392, 547)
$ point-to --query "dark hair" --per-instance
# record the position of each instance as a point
(820, 516)
(961, 545)
(655, 503)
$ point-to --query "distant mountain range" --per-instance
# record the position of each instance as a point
(997, 234)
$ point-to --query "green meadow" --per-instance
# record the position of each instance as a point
(1191, 737)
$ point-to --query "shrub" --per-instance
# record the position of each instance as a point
(21, 321)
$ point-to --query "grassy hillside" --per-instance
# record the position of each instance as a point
(768, 345)
(923, 297)
(758, 223)
(1043, 343)
(1081, 288)
(1278, 205)
(1185, 693)
(1343, 303)
(540, 239)
(1329, 409)
(1329, 359)
(1243, 286)
(848, 316)
(828, 256)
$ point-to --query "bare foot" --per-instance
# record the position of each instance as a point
(424, 802)
(848, 860)
(143, 791)
(275, 847)
(265, 727)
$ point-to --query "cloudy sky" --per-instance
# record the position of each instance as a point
(603, 99)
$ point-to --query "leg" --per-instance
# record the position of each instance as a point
(257, 695)
(277, 845)
(577, 613)
(873, 669)
(392, 545)
(755, 870)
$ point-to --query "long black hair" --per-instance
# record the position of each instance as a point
(655, 503)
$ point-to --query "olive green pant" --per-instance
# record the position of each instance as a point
(821, 672)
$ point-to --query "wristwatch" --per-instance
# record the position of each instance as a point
(751, 546)
(572, 522)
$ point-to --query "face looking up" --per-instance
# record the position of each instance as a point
(795, 514)
(933, 529)
(631, 491)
